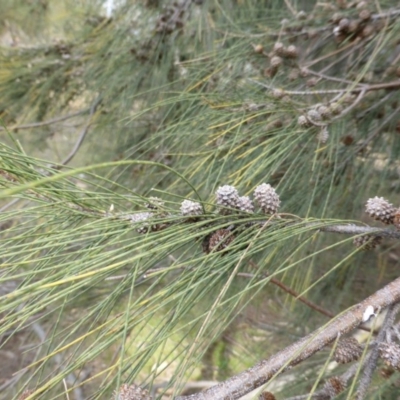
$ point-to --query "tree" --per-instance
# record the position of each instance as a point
(182, 183)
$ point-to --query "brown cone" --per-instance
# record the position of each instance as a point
(220, 240)
(347, 350)
(367, 242)
(266, 396)
(131, 392)
(334, 386)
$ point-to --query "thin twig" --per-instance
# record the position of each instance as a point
(12, 381)
(297, 92)
(376, 104)
(295, 294)
(327, 77)
(81, 136)
(246, 275)
(10, 204)
(289, 290)
(345, 50)
(352, 105)
(274, 281)
(44, 123)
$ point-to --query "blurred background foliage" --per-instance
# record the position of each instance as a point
(174, 99)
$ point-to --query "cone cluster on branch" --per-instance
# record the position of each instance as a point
(389, 352)
(143, 220)
(319, 116)
(381, 210)
(228, 202)
(358, 26)
(280, 50)
(278, 55)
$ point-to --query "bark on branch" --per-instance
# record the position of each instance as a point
(357, 230)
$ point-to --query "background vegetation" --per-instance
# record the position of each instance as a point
(105, 106)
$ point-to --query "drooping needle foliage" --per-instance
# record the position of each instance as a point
(132, 133)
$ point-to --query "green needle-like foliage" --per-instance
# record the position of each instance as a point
(103, 109)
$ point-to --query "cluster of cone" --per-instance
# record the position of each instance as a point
(228, 202)
(349, 350)
(381, 210)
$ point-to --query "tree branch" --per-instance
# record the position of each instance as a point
(358, 230)
(359, 88)
(261, 373)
